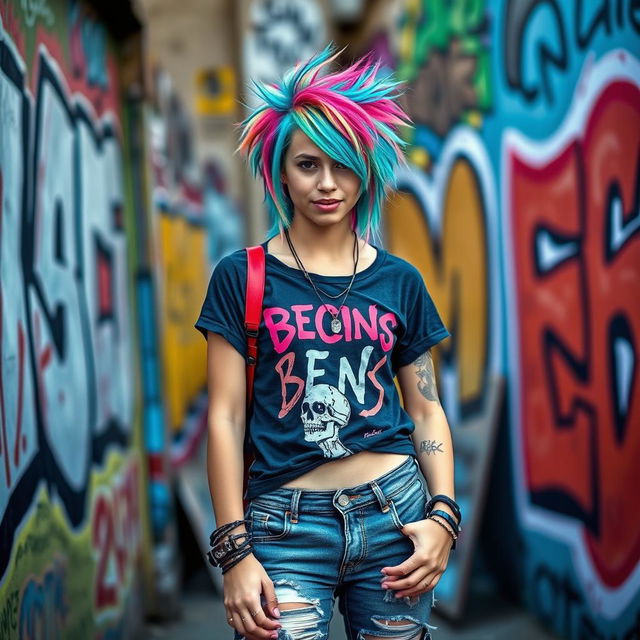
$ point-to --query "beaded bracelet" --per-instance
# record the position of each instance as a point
(446, 516)
(454, 537)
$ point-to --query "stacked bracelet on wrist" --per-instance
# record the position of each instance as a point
(443, 518)
(226, 549)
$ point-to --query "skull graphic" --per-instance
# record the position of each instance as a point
(325, 410)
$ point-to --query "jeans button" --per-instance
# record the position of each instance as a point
(343, 500)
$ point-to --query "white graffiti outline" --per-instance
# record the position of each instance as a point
(19, 502)
(430, 193)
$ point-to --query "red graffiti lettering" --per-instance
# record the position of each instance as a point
(576, 233)
(116, 536)
(105, 593)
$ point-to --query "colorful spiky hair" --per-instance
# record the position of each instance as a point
(351, 115)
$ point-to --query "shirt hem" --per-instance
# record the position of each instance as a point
(256, 488)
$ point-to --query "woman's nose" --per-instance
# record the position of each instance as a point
(327, 180)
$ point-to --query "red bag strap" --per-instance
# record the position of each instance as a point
(253, 310)
(252, 315)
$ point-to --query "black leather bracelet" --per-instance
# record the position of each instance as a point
(232, 563)
(223, 561)
(229, 546)
(452, 504)
(242, 551)
(217, 535)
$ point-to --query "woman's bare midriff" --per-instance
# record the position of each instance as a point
(348, 472)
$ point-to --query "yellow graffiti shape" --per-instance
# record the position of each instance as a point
(457, 279)
(183, 277)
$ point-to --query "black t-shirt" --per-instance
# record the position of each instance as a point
(320, 395)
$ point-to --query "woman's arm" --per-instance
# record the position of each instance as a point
(431, 436)
(434, 450)
(244, 583)
(226, 425)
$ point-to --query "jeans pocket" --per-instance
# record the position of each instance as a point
(408, 504)
(269, 522)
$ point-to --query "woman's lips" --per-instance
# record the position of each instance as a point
(327, 205)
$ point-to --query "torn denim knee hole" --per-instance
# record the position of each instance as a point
(300, 623)
(410, 601)
(396, 628)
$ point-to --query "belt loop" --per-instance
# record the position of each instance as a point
(382, 500)
(295, 499)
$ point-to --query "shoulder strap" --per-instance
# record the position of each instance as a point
(252, 315)
(253, 310)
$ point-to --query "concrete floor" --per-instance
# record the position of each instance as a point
(203, 617)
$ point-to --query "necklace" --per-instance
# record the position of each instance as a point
(356, 256)
(336, 324)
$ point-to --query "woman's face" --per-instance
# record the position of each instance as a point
(321, 189)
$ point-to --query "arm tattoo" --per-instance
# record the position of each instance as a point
(427, 377)
(430, 446)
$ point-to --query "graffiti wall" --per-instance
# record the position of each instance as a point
(522, 197)
(181, 266)
(72, 522)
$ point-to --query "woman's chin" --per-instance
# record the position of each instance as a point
(326, 219)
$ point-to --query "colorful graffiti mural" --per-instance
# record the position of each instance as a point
(576, 283)
(180, 260)
(179, 272)
(453, 216)
(443, 52)
(70, 480)
(448, 200)
(522, 200)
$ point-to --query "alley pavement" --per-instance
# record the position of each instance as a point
(486, 618)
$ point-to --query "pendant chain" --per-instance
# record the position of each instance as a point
(336, 325)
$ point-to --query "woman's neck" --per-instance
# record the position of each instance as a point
(323, 256)
(331, 243)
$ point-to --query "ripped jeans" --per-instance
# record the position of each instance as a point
(316, 545)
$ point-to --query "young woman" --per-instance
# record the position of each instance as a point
(336, 502)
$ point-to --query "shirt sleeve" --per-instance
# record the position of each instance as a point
(423, 329)
(223, 307)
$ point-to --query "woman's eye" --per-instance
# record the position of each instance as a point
(339, 165)
(306, 164)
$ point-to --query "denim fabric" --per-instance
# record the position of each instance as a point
(316, 545)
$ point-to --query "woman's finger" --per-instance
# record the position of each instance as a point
(425, 585)
(407, 582)
(263, 621)
(271, 600)
(404, 568)
(250, 627)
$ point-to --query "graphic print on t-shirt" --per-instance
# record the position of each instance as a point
(325, 408)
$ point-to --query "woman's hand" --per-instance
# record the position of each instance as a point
(422, 570)
(243, 585)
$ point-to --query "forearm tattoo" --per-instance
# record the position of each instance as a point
(427, 377)
(430, 446)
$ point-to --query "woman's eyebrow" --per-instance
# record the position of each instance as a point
(306, 155)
